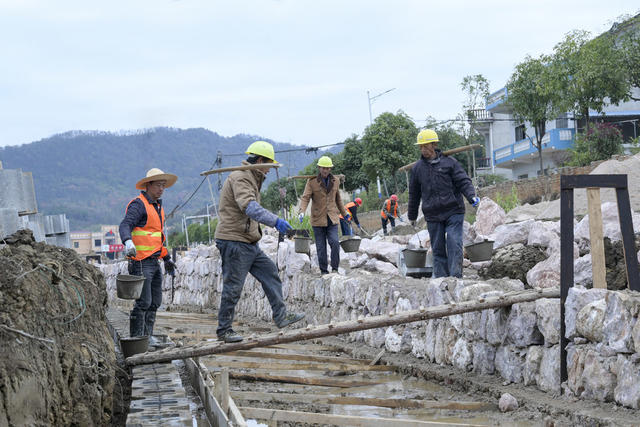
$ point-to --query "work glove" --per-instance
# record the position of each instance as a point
(130, 248)
(348, 218)
(359, 227)
(475, 201)
(301, 218)
(282, 226)
(170, 267)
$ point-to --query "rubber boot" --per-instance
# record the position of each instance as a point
(149, 321)
(136, 324)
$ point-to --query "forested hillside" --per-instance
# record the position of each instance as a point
(91, 176)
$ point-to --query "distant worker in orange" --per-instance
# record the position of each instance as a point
(389, 213)
(345, 225)
(142, 231)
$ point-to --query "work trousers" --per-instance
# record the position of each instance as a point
(143, 315)
(238, 259)
(345, 227)
(390, 219)
(324, 235)
(446, 243)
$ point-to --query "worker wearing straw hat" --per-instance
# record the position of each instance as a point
(142, 231)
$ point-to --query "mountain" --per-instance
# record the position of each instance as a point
(91, 176)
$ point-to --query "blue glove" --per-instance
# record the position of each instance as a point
(282, 226)
(348, 217)
(301, 218)
(476, 201)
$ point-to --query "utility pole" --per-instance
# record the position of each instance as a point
(371, 100)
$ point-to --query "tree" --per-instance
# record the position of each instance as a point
(349, 163)
(587, 74)
(387, 145)
(476, 91)
(531, 96)
(271, 197)
(629, 48)
(599, 142)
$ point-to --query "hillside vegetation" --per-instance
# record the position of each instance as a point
(90, 176)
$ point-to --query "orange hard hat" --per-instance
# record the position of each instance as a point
(394, 197)
(358, 201)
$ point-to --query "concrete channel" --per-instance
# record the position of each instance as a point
(305, 383)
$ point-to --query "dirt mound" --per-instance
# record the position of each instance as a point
(57, 359)
(616, 267)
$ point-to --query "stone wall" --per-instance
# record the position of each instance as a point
(519, 343)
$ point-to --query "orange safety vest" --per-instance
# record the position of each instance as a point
(395, 209)
(347, 206)
(149, 239)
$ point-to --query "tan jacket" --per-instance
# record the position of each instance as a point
(326, 201)
(240, 188)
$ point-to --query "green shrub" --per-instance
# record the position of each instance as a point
(599, 142)
(508, 201)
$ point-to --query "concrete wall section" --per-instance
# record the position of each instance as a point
(17, 191)
(519, 343)
(8, 221)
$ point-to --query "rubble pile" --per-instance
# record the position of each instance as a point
(57, 359)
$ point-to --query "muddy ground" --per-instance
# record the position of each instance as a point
(536, 408)
(57, 359)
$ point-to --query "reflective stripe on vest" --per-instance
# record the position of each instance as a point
(149, 239)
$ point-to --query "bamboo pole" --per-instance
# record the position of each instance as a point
(361, 324)
(339, 176)
(446, 153)
(241, 168)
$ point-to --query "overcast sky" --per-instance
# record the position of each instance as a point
(294, 71)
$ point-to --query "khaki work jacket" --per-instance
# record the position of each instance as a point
(326, 201)
(240, 188)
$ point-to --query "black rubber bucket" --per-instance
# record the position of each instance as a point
(482, 251)
(134, 345)
(128, 286)
(302, 244)
(415, 258)
(351, 243)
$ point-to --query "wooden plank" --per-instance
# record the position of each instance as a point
(224, 390)
(456, 150)
(377, 358)
(321, 381)
(297, 356)
(201, 381)
(296, 366)
(324, 399)
(373, 322)
(303, 347)
(339, 420)
(242, 168)
(598, 267)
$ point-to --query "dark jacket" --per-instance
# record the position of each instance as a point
(440, 184)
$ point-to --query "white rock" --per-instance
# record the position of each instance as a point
(589, 321)
(420, 239)
(548, 319)
(542, 234)
(627, 390)
(509, 363)
(392, 341)
(483, 358)
(610, 224)
(507, 403)
(532, 365)
(522, 328)
(462, 355)
(508, 234)
(489, 215)
(549, 376)
(577, 298)
(618, 323)
(582, 271)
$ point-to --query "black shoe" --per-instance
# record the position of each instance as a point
(323, 272)
(334, 270)
(229, 336)
(289, 319)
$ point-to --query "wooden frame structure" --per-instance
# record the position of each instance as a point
(567, 184)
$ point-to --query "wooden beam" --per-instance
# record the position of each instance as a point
(339, 420)
(297, 366)
(339, 176)
(320, 381)
(324, 399)
(446, 153)
(598, 267)
(242, 168)
(377, 358)
(297, 356)
(364, 323)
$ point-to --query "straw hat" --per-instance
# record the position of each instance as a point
(156, 174)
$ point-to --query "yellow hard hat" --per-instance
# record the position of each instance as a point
(325, 162)
(262, 148)
(427, 136)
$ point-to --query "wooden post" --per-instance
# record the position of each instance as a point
(598, 267)
(224, 390)
(339, 328)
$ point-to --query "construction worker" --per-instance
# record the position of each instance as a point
(237, 236)
(326, 208)
(352, 207)
(439, 181)
(389, 213)
(142, 231)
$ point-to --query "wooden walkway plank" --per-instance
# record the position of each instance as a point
(340, 420)
(324, 399)
(297, 356)
(321, 381)
(296, 366)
